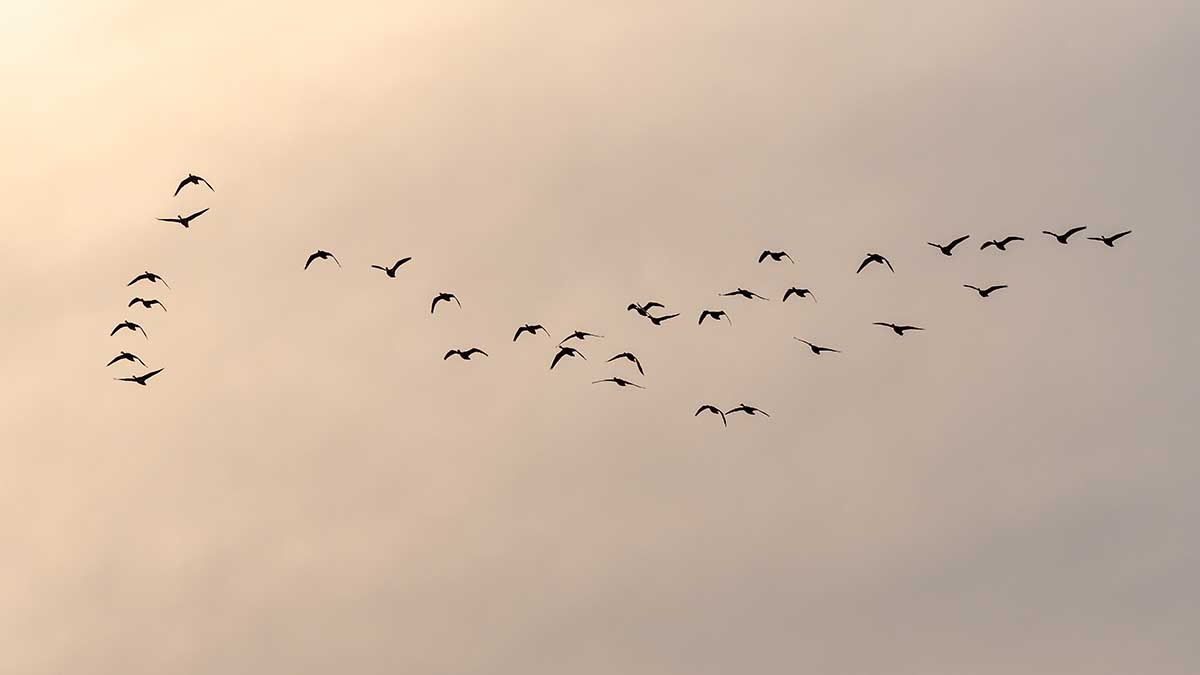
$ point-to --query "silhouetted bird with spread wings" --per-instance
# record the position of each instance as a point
(629, 357)
(749, 295)
(984, 292)
(130, 326)
(747, 409)
(580, 335)
(443, 296)
(566, 351)
(875, 258)
(1109, 241)
(464, 355)
(148, 276)
(147, 303)
(716, 314)
(1062, 238)
(126, 356)
(711, 409)
(658, 320)
(391, 271)
(798, 292)
(321, 255)
(1002, 243)
(532, 329)
(140, 379)
(948, 249)
(619, 382)
(191, 179)
(899, 330)
(644, 310)
(817, 349)
(185, 220)
(777, 256)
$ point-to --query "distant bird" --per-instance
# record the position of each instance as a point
(748, 409)
(1109, 241)
(566, 351)
(899, 330)
(749, 295)
(644, 310)
(129, 325)
(580, 335)
(147, 303)
(443, 296)
(1000, 245)
(712, 409)
(184, 221)
(777, 256)
(816, 349)
(1062, 238)
(984, 292)
(715, 314)
(148, 276)
(464, 355)
(532, 329)
(948, 249)
(322, 255)
(658, 320)
(629, 357)
(798, 292)
(191, 179)
(140, 379)
(391, 271)
(125, 356)
(619, 382)
(875, 258)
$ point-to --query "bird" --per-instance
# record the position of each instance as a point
(464, 355)
(716, 314)
(899, 330)
(443, 296)
(323, 255)
(658, 320)
(875, 258)
(148, 276)
(125, 356)
(130, 326)
(629, 357)
(147, 303)
(531, 329)
(798, 292)
(748, 409)
(1109, 241)
(140, 379)
(644, 310)
(777, 256)
(391, 271)
(712, 409)
(817, 349)
(984, 292)
(192, 179)
(948, 249)
(580, 335)
(566, 351)
(1000, 244)
(1062, 238)
(184, 221)
(619, 382)
(749, 295)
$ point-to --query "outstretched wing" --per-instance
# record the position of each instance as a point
(987, 244)
(311, 258)
(866, 261)
(210, 187)
(958, 241)
(1119, 235)
(996, 288)
(151, 374)
(475, 350)
(889, 263)
(197, 214)
(172, 220)
(652, 305)
(1073, 230)
(181, 184)
(450, 353)
(436, 300)
(379, 268)
(1009, 240)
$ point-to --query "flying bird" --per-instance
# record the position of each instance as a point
(129, 325)
(140, 379)
(715, 314)
(322, 255)
(899, 330)
(126, 356)
(619, 382)
(566, 351)
(644, 310)
(464, 355)
(948, 249)
(712, 409)
(184, 221)
(629, 357)
(148, 276)
(658, 320)
(777, 256)
(748, 409)
(817, 349)
(1062, 238)
(580, 335)
(1109, 241)
(443, 296)
(984, 292)
(191, 179)
(875, 258)
(749, 295)
(147, 303)
(798, 292)
(391, 271)
(532, 329)
(1002, 243)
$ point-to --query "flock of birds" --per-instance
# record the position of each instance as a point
(645, 310)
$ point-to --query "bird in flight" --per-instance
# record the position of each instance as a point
(899, 330)
(580, 335)
(1062, 238)
(148, 276)
(443, 296)
(658, 320)
(140, 379)
(798, 292)
(391, 271)
(716, 314)
(984, 292)
(192, 179)
(644, 310)
(875, 258)
(464, 355)
(1002, 243)
(321, 255)
(566, 351)
(711, 409)
(531, 329)
(619, 382)
(777, 256)
(629, 357)
(749, 295)
(147, 303)
(129, 325)
(125, 356)
(748, 409)
(948, 249)
(817, 349)
(184, 221)
(1109, 241)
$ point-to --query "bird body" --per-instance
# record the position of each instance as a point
(948, 249)
(464, 355)
(184, 220)
(875, 258)
(1109, 241)
(321, 255)
(191, 179)
(1062, 238)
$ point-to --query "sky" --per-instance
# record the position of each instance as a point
(308, 487)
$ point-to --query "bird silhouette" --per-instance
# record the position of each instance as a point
(628, 357)
(391, 271)
(1062, 238)
(193, 180)
(443, 296)
(817, 349)
(1109, 241)
(777, 256)
(984, 292)
(716, 314)
(129, 325)
(899, 330)
(798, 292)
(126, 356)
(140, 379)
(322, 255)
(748, 409)
(712, 409)
(948, 249)
(185, 220)
(644, 310)
(147, 303)
(531, 329)
(875, 258)
(658, 320)
(1002, 243)
(749, 295)
(580, 335)
(619, 382)
(464, 355)
(566, 351)
(148, 276)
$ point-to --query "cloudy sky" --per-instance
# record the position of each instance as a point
(308, 488)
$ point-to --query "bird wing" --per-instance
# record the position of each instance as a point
(1011, 239)
(114, 330)
(151, 374)
(726, 315)
(996, 288)
(1119, 235)
(138, 359)
(436, 300)
(557, 358)
(164, 282)
(787, 294)
(987, 244)
(889, 264)
(785, 254)
(402, 261)
(476, 350)
(1073, 230)
(958, 241)
(652, 305)
(518, 333)
(450, 353)
(380, 268)
(938, 246)
(668, 316)
(763, 256)
(974, 288)
(888, 325)
(638, 363)
(904, 328)
(1050, 233)
(143, 331)
(866, 261)
(197, 214)
(133, 302)
(311, 258)
(181, 184)
(339, 263)
(455, 298)
(172, 220)
(116, 358)
(210, 187)
(756, 295)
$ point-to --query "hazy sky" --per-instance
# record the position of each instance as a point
(308, 488)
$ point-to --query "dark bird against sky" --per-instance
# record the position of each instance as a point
(658, 320)
(875, 258)
(749, 295)
(126, 356)
(619, 382)
(644, 310)
(130, 326)
(948, 249)
(716, 314)
(899, 330)
(747, 409)
(580, 335)
(148, 304)
(631, 358)
(1002, 243)
(532, 329)
(777, 256)
(321, 255)
(148, 276)
(191, 179)
(185, 220)
(816, 349)
(443, 297)
(566, 351)
(711, 409)
(464, 355)
(984, 292)
(798, 292)
(140, 379)
(1062, 238)
(1109, 241)
(391, 271)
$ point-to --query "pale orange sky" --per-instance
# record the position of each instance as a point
(309, 488)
